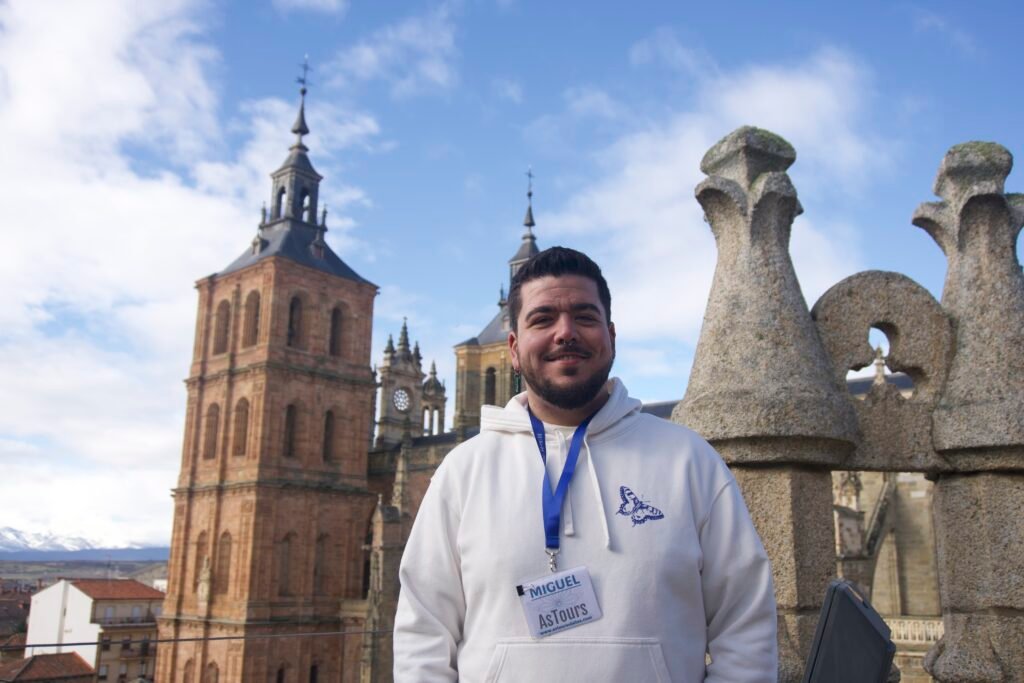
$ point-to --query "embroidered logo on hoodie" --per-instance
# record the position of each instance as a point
(638, 511)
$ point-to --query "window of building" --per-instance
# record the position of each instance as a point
(251, 325)
(280, 675)
(126, 645)
(108, 614)
(291, 418)
(490, 387)
(211, 674)
(328, 450)
(201, 551)
(136, 613)
(314, 674)
(105, 643)
(102, 673)
(223, 576)
(144, 651)
(279, 203)
(319, 558)
(188, 673)
(221, 326)
(295, 336)
(210, 433)
(334, 346)
(284, 565)
(241, 424)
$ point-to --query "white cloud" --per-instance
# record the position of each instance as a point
(663, 47)
(325, 6)
(508, 89)
(414, 56)
(639, 216)
(589, 101)
(926, 21)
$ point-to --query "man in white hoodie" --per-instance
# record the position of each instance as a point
(576, 538)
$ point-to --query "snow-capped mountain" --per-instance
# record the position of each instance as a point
(13, 540)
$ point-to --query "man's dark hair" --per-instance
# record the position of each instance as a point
(557, 261)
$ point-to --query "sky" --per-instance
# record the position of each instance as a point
(137, 139)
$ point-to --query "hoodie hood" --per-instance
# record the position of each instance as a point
(514, 417)
(610, 420)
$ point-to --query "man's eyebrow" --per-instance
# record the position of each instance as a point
(551, 309)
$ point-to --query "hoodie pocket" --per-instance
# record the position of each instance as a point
(571, 660)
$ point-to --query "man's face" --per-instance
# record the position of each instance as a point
(564, 346)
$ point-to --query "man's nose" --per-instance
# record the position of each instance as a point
(565, 329)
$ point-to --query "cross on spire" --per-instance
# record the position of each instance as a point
(303, 80)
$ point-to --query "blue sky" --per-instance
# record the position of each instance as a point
(138, 139)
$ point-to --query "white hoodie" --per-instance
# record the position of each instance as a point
(672, 589)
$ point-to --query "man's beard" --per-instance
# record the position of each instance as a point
(568, 397)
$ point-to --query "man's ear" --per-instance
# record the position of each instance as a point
(611, 333)
(513, 350)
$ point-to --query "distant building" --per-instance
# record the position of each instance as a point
(67, 667)
(115, 617)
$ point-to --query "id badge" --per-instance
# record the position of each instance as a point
(560, 601)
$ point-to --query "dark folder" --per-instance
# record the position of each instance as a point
(851, 644)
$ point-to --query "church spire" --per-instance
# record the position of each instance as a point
(528, 247)
(403, 338)
(296, 183)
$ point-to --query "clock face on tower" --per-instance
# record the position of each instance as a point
(401, 399)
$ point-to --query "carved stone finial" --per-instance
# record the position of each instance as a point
(879, 366)
(762, 388)
(977, 225)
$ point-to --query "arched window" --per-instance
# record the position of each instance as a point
(334, 345)
(241, 435)
(210, 431)
(328, 451)
(280, 674)
(319, 558)
(279, 205)
(426, 421)
(252, 319)
(188, 675)
(291, 419)
(490, 387)
(284, 565)
(201, 551)
(314, 674)
(211, 674)
(221, 325)
(222, 578)
(306, 202)
(295, 322)
(435, 429)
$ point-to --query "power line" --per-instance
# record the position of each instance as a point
(254, 636)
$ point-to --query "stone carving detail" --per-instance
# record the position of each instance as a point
(758, 343)
(976, 225)
(897, 431)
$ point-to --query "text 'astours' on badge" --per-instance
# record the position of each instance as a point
(560, 601)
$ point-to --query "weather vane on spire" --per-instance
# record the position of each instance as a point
(529, 186)
(303, 80)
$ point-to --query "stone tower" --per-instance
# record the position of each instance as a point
(401, 378)
(483, 373)
(433, 403)
(271, 507)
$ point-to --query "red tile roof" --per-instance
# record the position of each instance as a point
(13, 640)
(45, 668)
(116, 589)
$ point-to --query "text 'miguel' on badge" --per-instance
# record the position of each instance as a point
(560, 601)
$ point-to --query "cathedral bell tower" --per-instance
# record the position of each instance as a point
(271, 507)
(401, 378)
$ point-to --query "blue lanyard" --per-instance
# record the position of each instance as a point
(552, 502)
